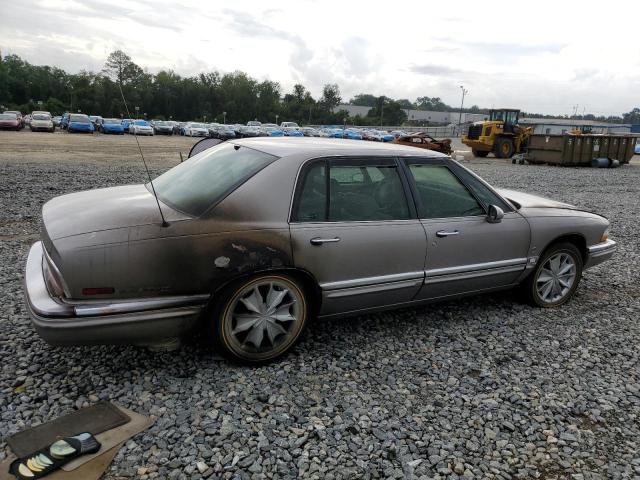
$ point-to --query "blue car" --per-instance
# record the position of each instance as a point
(64, 121)
(112, 125)
(352, 134)
(386, 136)
(637, 150)
(79, 122)
(274, 131)
(125, 124)
(292, 132)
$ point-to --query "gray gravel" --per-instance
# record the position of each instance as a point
(479, 388)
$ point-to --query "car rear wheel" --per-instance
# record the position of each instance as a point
(555, 278)
(259, 319)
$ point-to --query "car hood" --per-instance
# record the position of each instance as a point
(103, 209)
(527, 200)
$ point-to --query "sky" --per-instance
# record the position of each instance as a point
(546, 57)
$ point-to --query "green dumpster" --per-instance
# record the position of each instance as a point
(580, 150)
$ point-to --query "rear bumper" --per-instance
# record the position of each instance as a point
(139, 321)
(600, 252)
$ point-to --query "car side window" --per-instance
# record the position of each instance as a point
(357, 192)
(312, 202)
(481, 191)
(441, 194)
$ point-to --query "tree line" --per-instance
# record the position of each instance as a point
(232, 97)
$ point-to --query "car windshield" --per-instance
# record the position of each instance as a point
(8, 116)
(111, 121)
(162, 124)
(79, 119)
(141, 123)
(206, 178)
(197, 125)
(41, 116)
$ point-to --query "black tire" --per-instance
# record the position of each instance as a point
(479, 153)
(233, 339)
(530, 290)
(504, 148)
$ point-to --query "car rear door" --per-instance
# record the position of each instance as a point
(465, 253)
(353, 228)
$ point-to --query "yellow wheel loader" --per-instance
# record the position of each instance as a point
(500, 135)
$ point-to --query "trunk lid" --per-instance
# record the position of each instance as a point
(103, 209)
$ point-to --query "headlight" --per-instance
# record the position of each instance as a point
(605, 235)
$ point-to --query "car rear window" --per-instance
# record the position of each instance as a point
(202, 181)
(79, 119)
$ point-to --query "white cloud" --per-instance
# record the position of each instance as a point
(545, 57)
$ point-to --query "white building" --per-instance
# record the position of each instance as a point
(441, 118)
(559, 126)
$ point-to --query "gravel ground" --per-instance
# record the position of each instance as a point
(478, 388)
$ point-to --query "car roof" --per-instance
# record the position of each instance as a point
(287, 146)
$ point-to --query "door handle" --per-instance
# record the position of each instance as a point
(444, 233)
(320, 241)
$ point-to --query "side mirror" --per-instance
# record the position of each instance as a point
(495, 214)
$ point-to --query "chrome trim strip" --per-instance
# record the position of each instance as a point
(603, 248)
(473, 274)
(366, 281)
(347, 292)
(139, 305)
(515, 262)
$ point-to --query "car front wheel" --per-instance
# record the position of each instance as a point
(259, 319)
(555, 278)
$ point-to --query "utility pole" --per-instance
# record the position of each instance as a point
(224, 118)
(381, 109)
(464, 92)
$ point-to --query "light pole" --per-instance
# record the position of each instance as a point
(257, 99)
(137, 112)
(464, 92)
(381, 109)
(224, 118)
(310, 114)
(344, 125)
(277, 118)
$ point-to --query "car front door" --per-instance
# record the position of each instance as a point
(465, 252)
(353, 228)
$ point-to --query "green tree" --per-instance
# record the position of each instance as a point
(632, 117)
(120, 68)
(364, 100)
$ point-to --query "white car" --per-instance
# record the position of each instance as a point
(140, 127)
(193, 129)
(289, 124)
(41, 121)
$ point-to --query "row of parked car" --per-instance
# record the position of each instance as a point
(81, 123)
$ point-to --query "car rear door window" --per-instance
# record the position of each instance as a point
(441, 194)
(357, 191)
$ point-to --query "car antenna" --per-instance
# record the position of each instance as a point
(153, 189)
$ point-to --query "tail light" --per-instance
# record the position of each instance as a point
(53, 278)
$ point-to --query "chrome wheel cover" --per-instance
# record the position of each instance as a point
(556, 277)
(264, 317)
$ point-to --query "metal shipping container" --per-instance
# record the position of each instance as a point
(577, 150)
